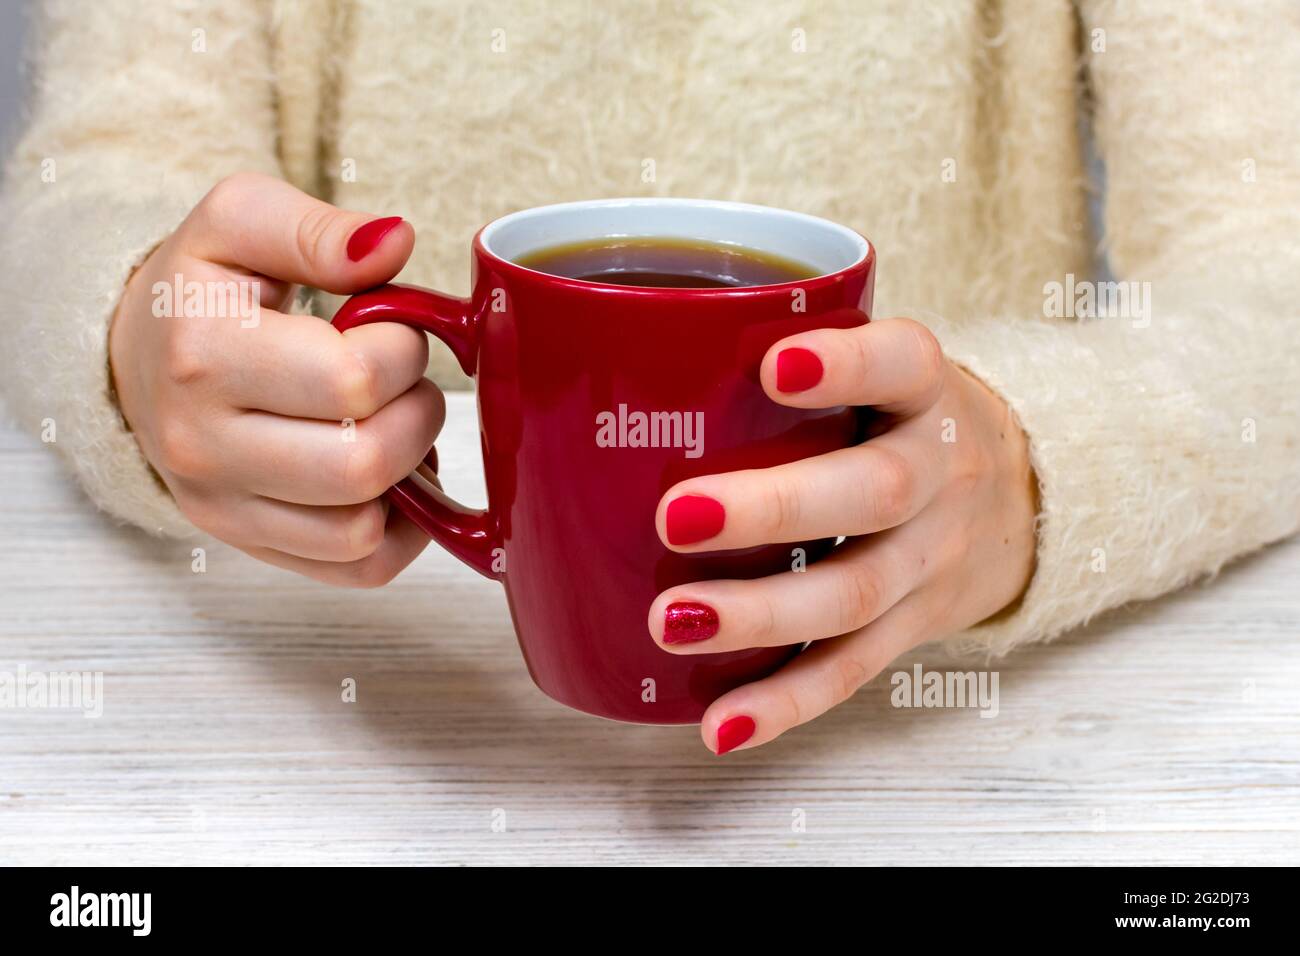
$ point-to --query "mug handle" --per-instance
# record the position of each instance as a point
(471, 535)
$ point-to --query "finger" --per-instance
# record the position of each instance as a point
(301, 366)
(339, 533)
(857, 583)
(271, 293)
(826, 674)
(322, 463)
(851, 491)
(895, 365)
(402, 544)
(263, 224)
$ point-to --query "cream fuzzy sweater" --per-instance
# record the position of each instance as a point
(1166, 439)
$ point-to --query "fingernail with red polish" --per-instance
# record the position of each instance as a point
(686, 622)
(733, 732)
(797, 370)
(693, 518)
(367, 238)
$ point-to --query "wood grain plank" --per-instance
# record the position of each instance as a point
(1167, 733)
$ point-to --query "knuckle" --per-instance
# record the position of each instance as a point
(434, 406)
(180, 451)
(970, 466)
(186, 357)
(893, 487)
(311, 233)
(956, 549)
(366, 469)
(355, 385)
(763, 623)
(929, 352)
(793, 707)
(859, 594)
(782, 511)
(860, 351)
(364, 530)
(374, 573)
(847, 675)
(228, 193)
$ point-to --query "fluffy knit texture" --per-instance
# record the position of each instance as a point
(947, 132)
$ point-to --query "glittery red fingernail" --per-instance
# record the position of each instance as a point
(797, 370)
(686, 622)
(693, 518)
(733, 732)
(367, 238)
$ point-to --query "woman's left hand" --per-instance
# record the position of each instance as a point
(938, 509)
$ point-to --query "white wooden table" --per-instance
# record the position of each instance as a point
(1165, 734)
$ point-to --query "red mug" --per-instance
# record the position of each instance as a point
(569, 526)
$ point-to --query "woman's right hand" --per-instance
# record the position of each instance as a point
(275, 432)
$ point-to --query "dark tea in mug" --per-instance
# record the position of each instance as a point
(665, 263)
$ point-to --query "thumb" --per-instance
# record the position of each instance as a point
(263, 224)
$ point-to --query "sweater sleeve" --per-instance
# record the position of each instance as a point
(135, 111)
(1166, 434)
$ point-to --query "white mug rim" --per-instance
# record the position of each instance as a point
(837, 248)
